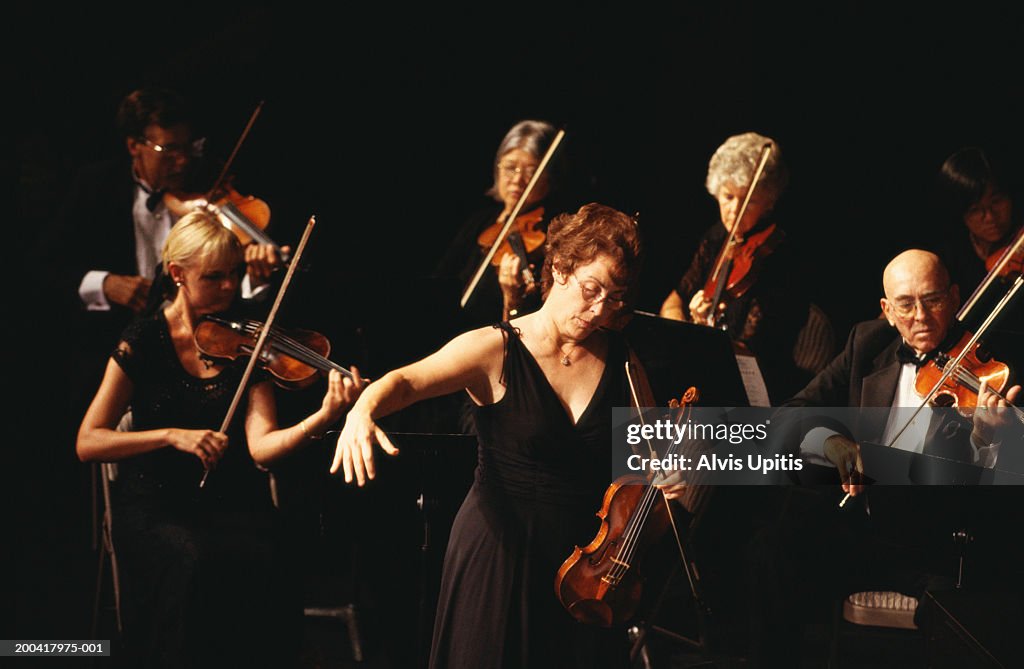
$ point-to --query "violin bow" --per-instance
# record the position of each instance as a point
(258, 348)
(720, 275)
(653, 452)
(1011, 251)
(234, 152)
(511, 219)
(953, 365)
(228, 213)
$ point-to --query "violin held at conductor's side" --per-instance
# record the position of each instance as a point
(601, 583)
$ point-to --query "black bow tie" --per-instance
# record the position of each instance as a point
(154, 199)
(905, 355)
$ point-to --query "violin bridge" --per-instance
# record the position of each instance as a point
(612, 581)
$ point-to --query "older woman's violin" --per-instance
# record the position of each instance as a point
(744, 258)
(740, 258)
(501, 234)
(524, 239)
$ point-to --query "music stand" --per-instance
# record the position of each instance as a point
(677, 355)
(442, 467)
(895, 466)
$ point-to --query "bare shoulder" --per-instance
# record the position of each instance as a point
(481, 349)
(481, 342)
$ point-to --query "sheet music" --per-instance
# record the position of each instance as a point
(753, 382)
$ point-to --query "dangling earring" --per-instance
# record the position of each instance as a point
(178, 284)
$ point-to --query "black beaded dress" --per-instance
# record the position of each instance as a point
(202, 568)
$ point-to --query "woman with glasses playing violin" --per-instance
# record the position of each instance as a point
(503, 290)
(542, 386)
(202, 568)
(975, 198)
(768, 315)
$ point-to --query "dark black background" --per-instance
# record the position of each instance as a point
(384, 123)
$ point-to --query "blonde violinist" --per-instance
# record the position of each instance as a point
(189, 556)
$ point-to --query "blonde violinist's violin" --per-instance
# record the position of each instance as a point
(293, 357)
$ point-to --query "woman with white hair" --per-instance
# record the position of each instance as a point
(767, 318)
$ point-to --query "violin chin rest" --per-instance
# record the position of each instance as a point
(592, 612)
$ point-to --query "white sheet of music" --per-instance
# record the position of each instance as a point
(753, 382)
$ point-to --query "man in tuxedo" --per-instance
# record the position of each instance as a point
(114, 222)
(878, 368)
(899, 539)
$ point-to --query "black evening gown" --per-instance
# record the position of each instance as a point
(539, 482)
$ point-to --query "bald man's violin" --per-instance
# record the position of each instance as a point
(943, 381)
(960, 389)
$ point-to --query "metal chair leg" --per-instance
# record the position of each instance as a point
(346, 613)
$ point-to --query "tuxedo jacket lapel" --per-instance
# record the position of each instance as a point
(878, 389)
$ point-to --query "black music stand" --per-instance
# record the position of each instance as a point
(440, 467)
(677, 355)
(895, 466)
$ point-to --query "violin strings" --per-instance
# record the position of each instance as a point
(976, 387)
(631, 536)
(973, 382)
(296, 349)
